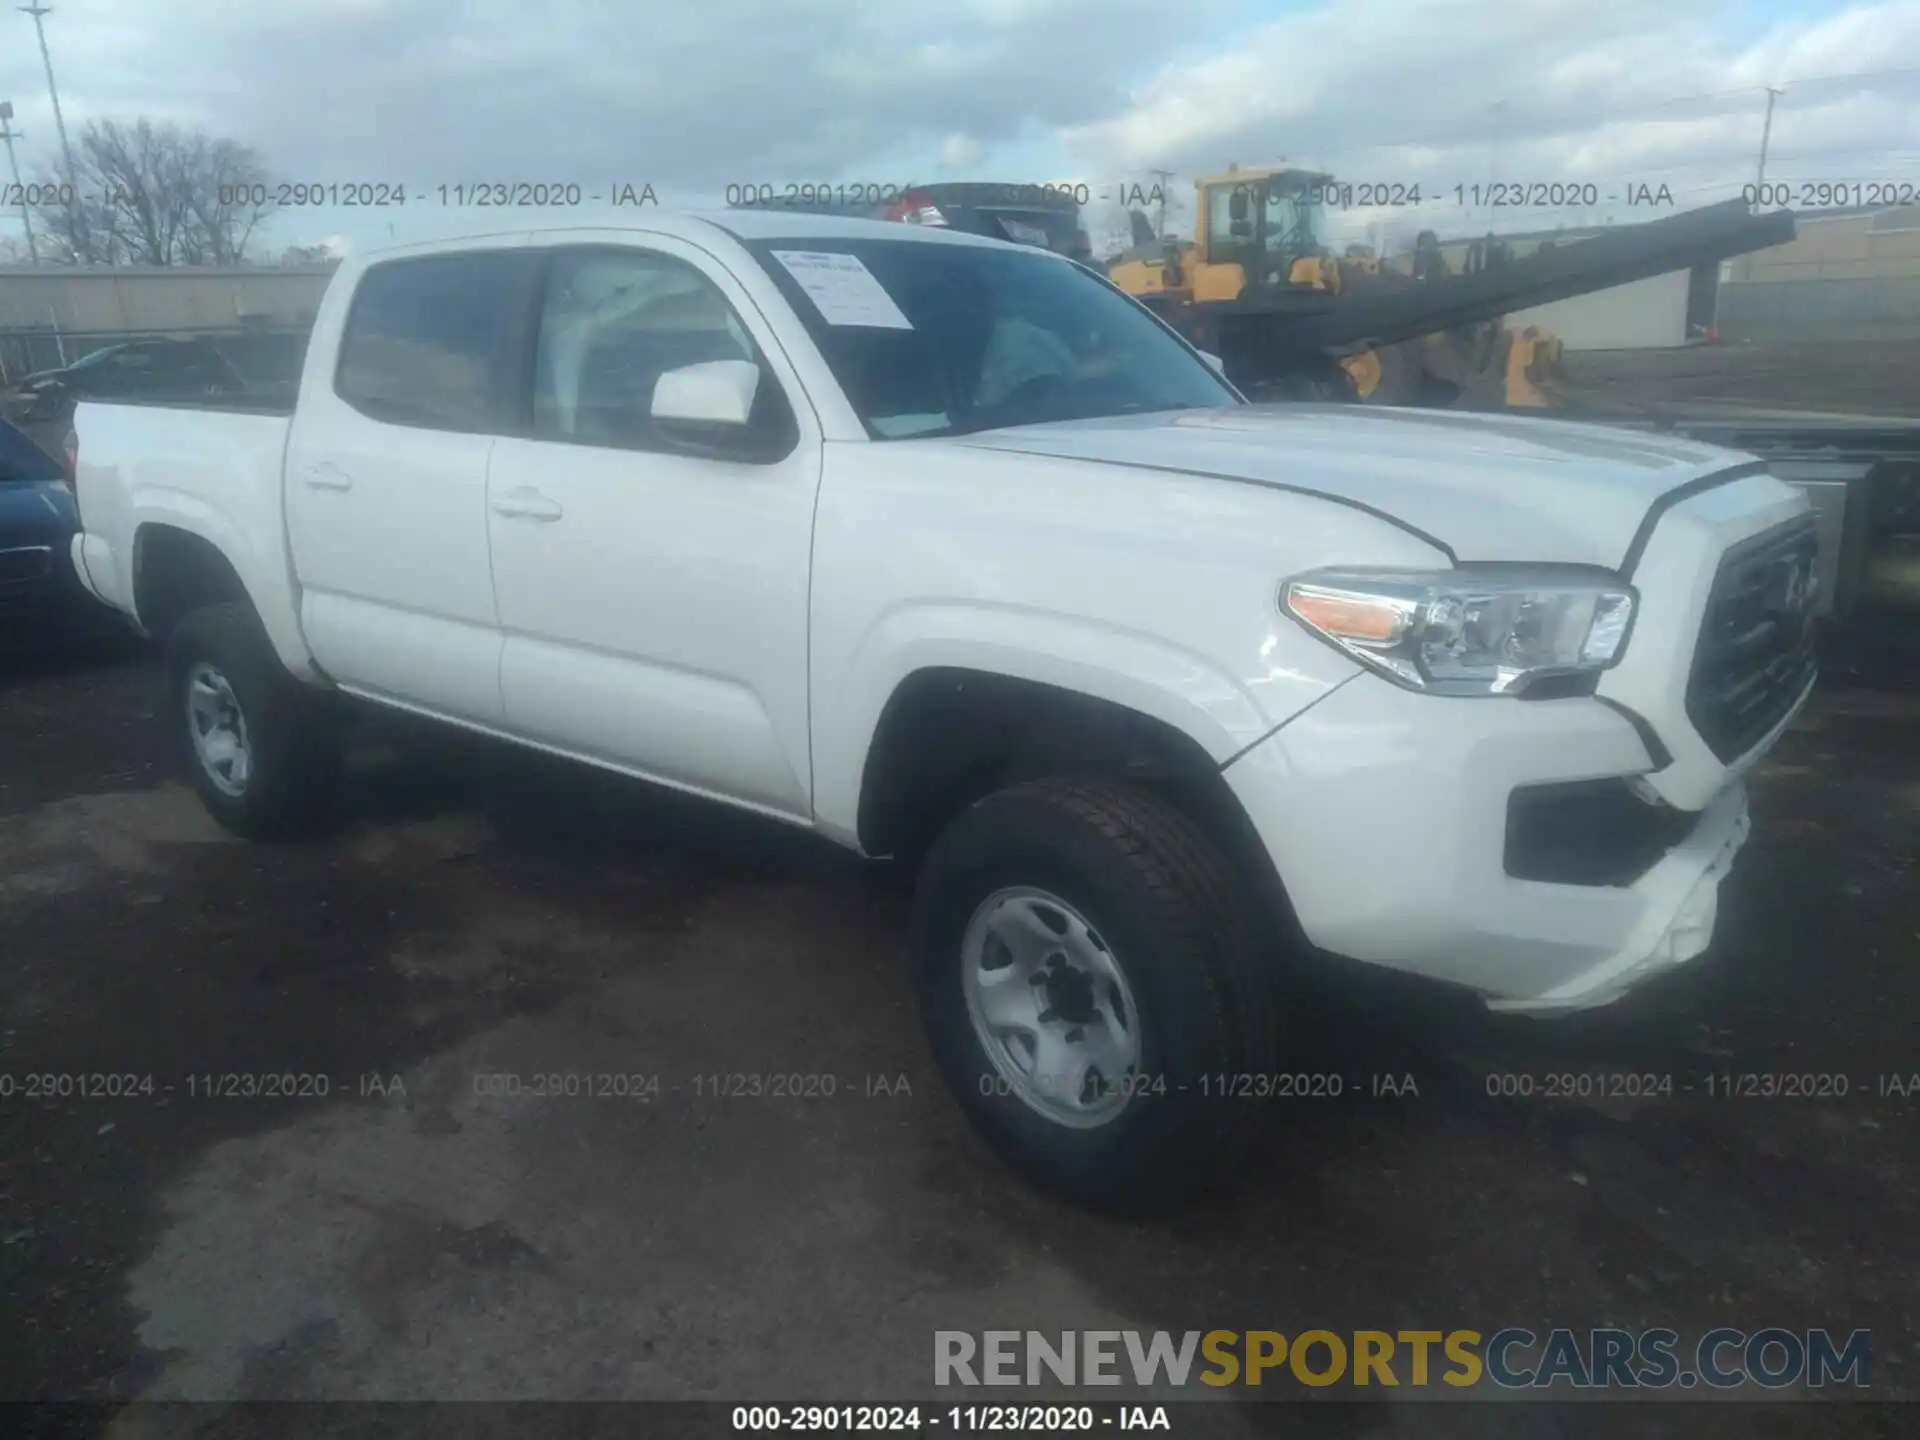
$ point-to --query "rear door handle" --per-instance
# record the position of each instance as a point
(527, 504)
(325, 475)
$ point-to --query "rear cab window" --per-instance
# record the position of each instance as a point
(429, 340)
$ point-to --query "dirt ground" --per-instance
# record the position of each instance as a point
(1874, 377)
(414, 1233)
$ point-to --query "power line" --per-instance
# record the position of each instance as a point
(1856, 75)
(1469, 138)
(1638, 108)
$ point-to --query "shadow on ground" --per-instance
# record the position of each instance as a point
(434, 1226)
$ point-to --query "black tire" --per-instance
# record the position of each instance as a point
(293, 732)
(1172, 911)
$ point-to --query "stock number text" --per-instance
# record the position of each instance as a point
(1827, 194)
(351, 194)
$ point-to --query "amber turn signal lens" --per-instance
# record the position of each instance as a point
(1350, 617)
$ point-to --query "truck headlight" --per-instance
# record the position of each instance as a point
(1501, 630)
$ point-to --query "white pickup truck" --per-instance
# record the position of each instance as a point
(950, 552)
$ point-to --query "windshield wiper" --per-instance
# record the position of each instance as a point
(1105, 412)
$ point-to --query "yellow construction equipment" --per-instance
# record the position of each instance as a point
(1257, 236)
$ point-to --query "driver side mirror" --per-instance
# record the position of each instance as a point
(718, 410)
(1219, 366)
(714, 398)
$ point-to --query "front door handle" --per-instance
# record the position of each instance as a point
(527, 504)
(325, 475)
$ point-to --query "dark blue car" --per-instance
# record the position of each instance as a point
(41, 600)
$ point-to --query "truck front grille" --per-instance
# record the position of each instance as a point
(1755, 654)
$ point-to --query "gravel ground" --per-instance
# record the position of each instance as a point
(1869, 377)
(408, 1236)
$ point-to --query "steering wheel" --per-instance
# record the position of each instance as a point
(1033, 388)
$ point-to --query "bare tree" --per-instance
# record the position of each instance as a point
(146, 194)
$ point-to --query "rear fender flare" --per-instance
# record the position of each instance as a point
(264, 578)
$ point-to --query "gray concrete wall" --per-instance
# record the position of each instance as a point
(1856, 246)
(139, 298)
(1883, 308)
(1647, 314)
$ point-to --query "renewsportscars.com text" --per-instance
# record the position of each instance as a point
(1512, 1358)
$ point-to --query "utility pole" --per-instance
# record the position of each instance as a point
(1760, 175)
(11, 134)
(1766, 134)
(76, 209)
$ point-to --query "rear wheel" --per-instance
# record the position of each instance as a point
(261, 750)
(1090, 986)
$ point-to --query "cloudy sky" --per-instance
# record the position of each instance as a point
(691, 98)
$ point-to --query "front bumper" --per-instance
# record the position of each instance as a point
(1386, 814)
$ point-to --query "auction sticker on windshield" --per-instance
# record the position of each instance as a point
(842, 289)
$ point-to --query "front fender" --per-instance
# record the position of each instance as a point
(1143, 673)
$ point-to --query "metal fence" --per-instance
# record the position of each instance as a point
(262, 354)
(1886, 307)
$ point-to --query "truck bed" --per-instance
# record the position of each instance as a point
(196, 467)
(273, 400)
(50, 434)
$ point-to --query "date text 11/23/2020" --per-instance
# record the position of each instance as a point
(1332, 194)
(1794, 1086)
(642, 1088)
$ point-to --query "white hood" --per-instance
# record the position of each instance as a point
(1488, 487)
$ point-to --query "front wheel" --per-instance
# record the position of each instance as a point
(260, 749)
(1089, 982)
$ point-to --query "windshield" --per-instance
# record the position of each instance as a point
(962, 338)
(1290, 221)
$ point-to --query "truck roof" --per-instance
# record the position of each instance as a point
(696, 225)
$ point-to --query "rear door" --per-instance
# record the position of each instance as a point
(654, 594)
(386, 477)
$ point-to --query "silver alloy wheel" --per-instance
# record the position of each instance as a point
(1051, 1007)
(219, 730)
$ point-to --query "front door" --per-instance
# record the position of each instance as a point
(654, 596)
